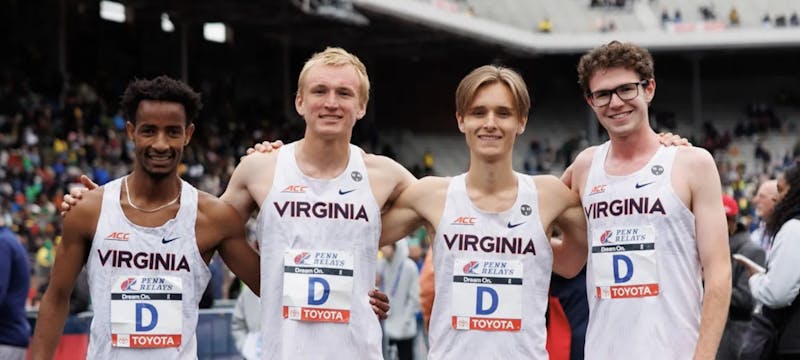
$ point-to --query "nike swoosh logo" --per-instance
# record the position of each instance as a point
(511, 226)
(639, 186)
(343, 192)
(167, 241)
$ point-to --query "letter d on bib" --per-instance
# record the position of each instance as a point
(140, 307)
(479, 308)
(312, 285)
(628, 268)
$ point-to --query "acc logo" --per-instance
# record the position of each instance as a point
(301, 258)
(598, 189)
(118, 236)
(471, 267)
(128, 284)
(464, 220)
(606, 237)
(295, 189)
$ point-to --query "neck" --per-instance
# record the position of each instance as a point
(145, 189)
(630, 146)
(321, 158)
(491, 176)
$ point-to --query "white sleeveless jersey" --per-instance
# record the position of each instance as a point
(319, 244)
(145, 283)
(492, 278)
(643, 277)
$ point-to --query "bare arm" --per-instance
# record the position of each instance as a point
(402, 217)
(569, 254)
(233, 247)
(237, 194)
(71, 255)
(712, 248)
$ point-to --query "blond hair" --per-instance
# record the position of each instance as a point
(490, 74)
(336, 56)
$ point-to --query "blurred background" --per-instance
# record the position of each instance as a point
(727, 73)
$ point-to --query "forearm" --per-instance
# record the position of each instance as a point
(716, 300)
(568, 258)
(49, 326)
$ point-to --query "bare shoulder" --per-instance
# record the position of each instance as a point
(429, 187)
(584, 159)
(84, 215)
(693, 157)
(380, 164)
(258, 161)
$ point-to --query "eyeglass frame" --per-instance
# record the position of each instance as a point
(590, 95)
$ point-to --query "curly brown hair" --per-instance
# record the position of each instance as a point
(162, 88)
(615, 54)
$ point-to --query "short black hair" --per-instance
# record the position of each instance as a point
(162, 88)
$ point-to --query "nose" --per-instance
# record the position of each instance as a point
(491, 121)
(162, 142)
(615, 100)
(331, 101)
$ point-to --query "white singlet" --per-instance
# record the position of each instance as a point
(145, 283)
(319, 244)
(492, 278)
(643, 277)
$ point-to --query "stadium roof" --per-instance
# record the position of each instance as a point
(527, 41)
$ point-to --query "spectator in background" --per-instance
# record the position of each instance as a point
(427, 162)
(794, 21)
(741, 301)
(14, 283)
(733, 17)
(678, 17)
(246, 324)
(766, 21)
(545, 26)
(764, 202)
(398, 277)
(777, 288)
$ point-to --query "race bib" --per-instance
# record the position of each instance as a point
(624, 262)
(146, 311)
(317, 285)
(487, 295)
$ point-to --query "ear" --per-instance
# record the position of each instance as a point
(588, 101)
(650, 91)
(460, 120)
(361, 111)
(130, 128)
(189, 133)
(298, 104)
(522, 124)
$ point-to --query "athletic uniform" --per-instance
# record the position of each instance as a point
(145, 283)
(643, 277)
(492, 278)
(319, 244)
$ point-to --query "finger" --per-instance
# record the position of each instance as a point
(380, 313)
(91, 185)
(250, 151)
(75, 192)
(276, 144)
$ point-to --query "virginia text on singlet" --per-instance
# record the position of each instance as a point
(492, 278)
(643, 277)
(145, 283)
(319, 243)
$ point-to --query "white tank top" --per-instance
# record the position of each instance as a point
(319, 245)
(643, 277)
(492, 278)
(145, 283)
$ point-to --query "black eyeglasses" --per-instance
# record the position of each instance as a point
(625, 92)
